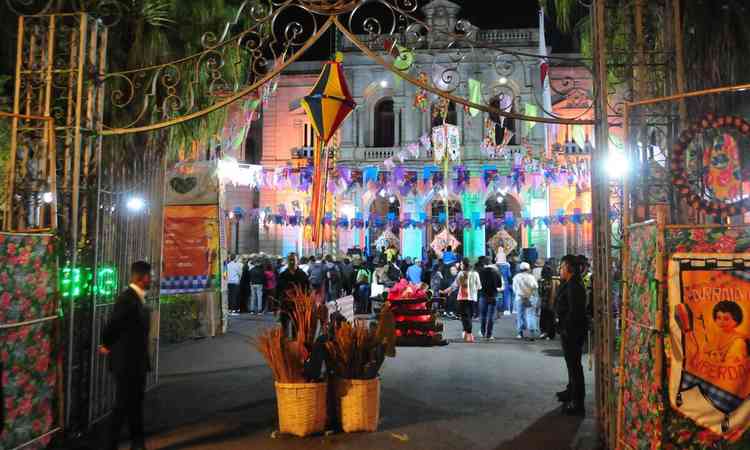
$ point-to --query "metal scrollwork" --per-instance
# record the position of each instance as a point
(22, 7)
(226, 66)
(232, 63)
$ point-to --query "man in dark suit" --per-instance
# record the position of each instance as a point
(125, 341)
(571, 314)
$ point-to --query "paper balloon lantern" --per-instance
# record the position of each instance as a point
(327, 105)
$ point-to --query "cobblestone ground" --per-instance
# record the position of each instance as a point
(218, 394)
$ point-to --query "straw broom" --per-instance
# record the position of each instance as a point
(281, 355)
(357, 351)
(306, 315)
(286, 357)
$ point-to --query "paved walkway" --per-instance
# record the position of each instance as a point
(218, 394)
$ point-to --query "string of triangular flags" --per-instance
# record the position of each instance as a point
(406, 220)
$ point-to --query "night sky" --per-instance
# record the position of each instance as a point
(516, 14)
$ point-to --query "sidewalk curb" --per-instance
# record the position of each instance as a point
(209, 372)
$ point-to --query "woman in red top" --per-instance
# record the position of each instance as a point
(269, 287)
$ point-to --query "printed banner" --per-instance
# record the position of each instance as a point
(709, 301)
(193, 184)
(191, 244)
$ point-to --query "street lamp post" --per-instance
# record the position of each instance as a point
(237, 214)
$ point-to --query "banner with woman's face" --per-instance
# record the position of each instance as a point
(709, 305)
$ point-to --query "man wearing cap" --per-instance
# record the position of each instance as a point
(525, 288)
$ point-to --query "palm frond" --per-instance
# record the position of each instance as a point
(563, 11)
(158, 13)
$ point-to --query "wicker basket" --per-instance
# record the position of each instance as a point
(358, 404)
(302, 408)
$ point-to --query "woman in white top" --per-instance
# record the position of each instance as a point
(468, 284)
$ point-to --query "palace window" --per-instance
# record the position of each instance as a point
(451, 117)
(385, 124)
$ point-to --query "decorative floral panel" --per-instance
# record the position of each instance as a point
(641, 376)
(27, 353)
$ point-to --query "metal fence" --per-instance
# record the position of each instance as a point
(129, 228)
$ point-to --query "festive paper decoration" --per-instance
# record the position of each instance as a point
(514, 171)
(387, 239)
(446, 142)
(327, 105)
(403, 57)
(443, 240)
(723, 174)
(504, 239)
(421, 100)
(510, 221)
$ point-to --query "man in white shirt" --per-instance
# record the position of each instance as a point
(234, 273)
(537, 270)
(525, 288)
(304, 266)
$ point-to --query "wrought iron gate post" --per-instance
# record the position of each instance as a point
(600, 199)
(58, 58)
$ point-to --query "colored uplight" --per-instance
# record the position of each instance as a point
(71, 284)
(76, 282)
(106, 282)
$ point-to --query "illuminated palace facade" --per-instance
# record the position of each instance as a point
(386, 121)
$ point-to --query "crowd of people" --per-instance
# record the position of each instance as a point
(487, 289)
(548, 299)
(544, 304)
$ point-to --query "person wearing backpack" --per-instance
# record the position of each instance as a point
(492, 284)
(348, 276)
(257, 278)
(468, 285)
(362, 294)
(316, 274)
(393, 273)
(332, 278)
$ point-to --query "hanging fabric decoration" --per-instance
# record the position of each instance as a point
(413, 150)
(327, 105)
(439, 143)
(532, 111)
(507, 136)
(488, 146)
(454, 142)
(475, 95)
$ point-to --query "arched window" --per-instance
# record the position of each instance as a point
(510, 125)
(504, 101)
(451, 118)
(385, 124)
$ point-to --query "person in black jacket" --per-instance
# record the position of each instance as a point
(257, 279)
(492, 283)
(125, 341)
(292, 277)
(571, 314)
(244, 294)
